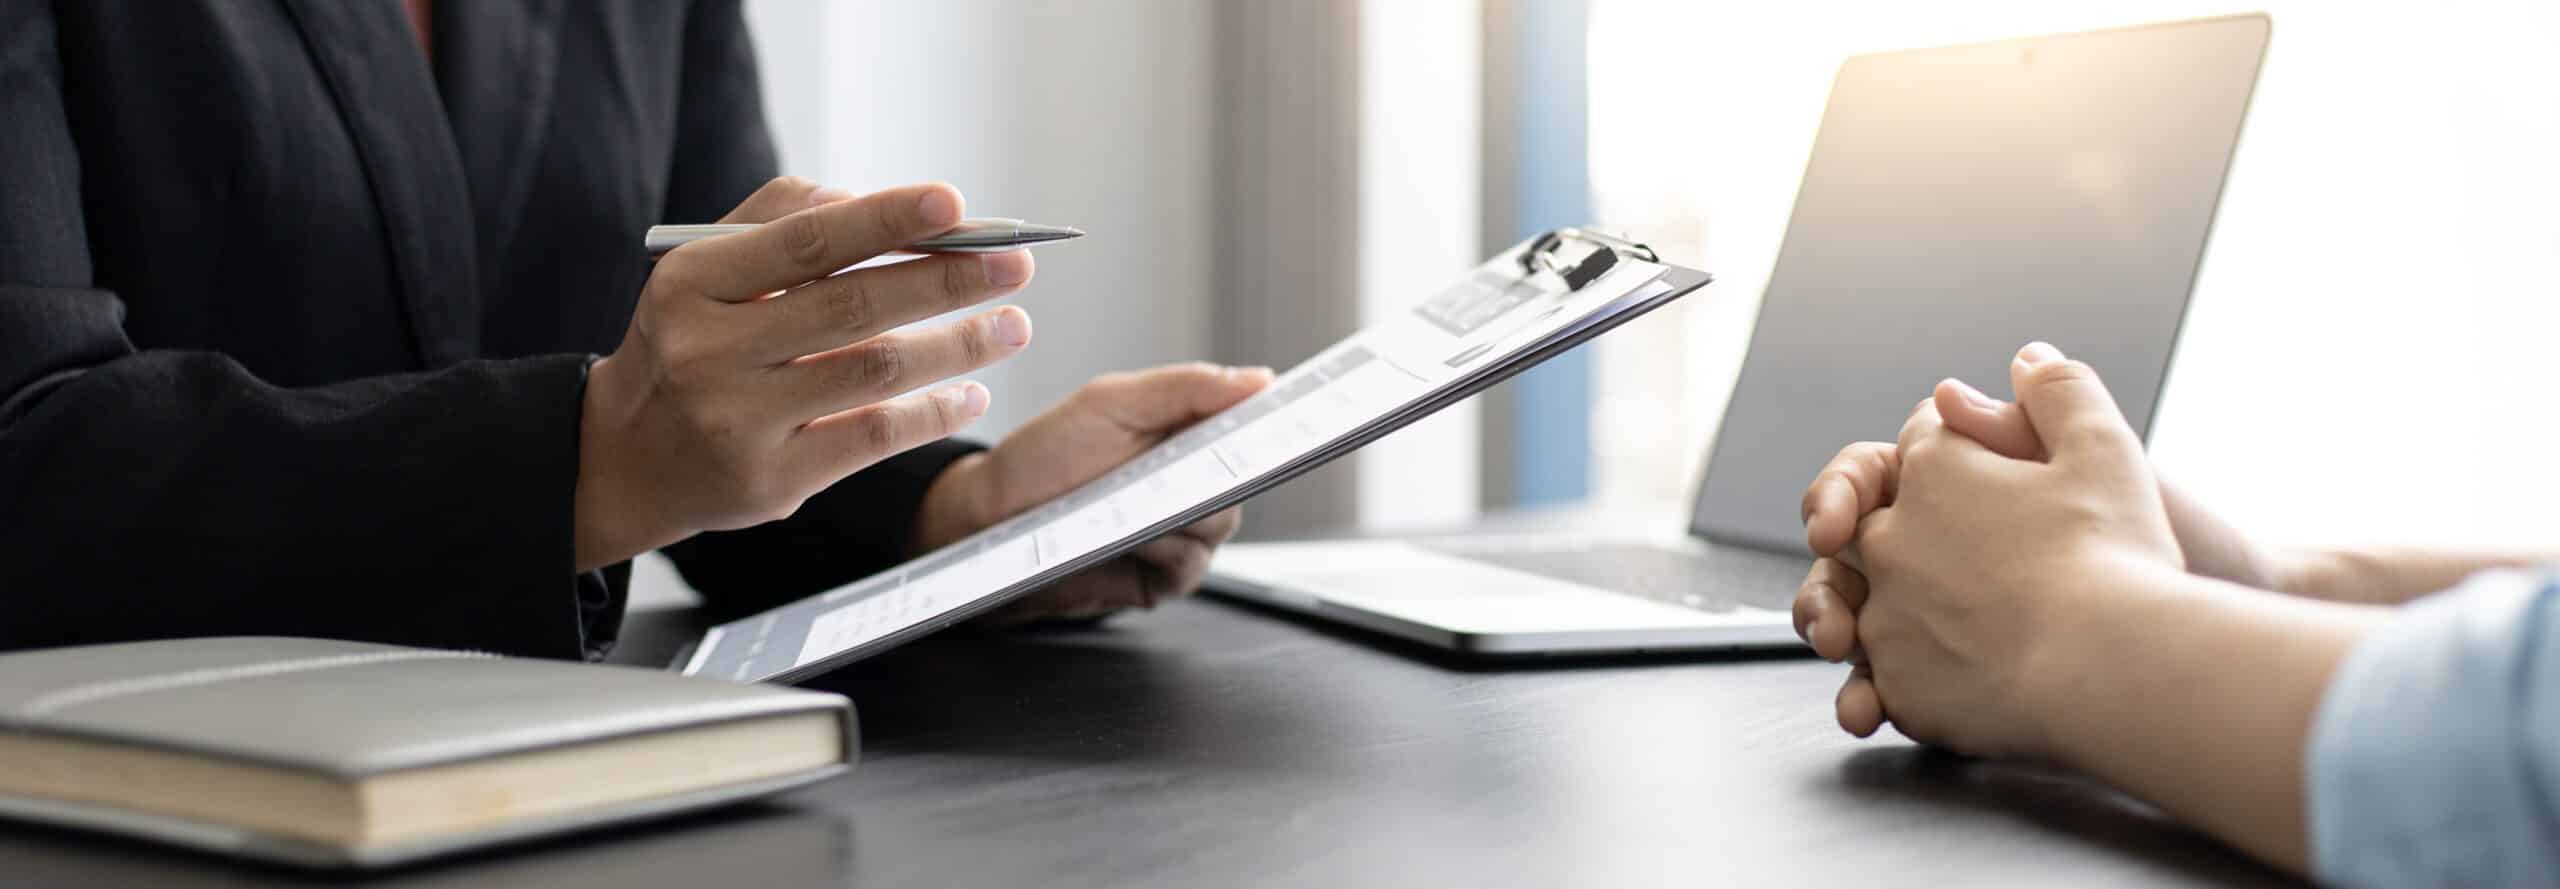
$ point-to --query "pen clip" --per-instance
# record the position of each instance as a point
(1545, 255)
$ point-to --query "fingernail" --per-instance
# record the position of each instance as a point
(966, 399)
(1973, 396)
(1006, 269)
(1238, 373)
(829, 195)
(1812, 629)
(939, 207)
(2039, 352)
(1013, 327)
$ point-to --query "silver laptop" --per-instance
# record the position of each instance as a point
(1959, 202)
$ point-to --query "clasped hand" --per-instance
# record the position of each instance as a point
(1949, 559)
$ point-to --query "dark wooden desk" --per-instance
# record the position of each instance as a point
(1206, 745)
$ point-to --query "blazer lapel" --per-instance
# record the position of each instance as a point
(369, 56)
(496, 62)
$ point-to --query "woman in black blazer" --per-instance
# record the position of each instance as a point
(300, 304)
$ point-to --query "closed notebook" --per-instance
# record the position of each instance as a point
(348, 754)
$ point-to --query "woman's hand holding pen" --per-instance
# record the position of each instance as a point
(752, 376)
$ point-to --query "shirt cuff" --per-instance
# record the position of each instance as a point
(2429, 759)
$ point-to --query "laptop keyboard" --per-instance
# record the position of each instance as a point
(1721, 580)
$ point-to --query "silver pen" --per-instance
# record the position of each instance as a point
(970, 236)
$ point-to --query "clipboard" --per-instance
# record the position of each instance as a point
(1524, 306)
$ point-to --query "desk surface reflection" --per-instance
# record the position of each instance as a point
(1208, 745)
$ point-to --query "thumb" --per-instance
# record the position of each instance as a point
(1999, 425)
(2070, 408)
(1108, 421)
(1163, 399)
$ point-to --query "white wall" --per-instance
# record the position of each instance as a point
(1097, 113)
(2367, 352)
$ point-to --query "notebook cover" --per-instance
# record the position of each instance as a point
(353, 710)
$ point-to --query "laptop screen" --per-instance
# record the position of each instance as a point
(1961, 202)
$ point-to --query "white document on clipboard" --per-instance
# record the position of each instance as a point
(1517, 309)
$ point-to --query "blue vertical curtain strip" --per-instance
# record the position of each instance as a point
(1551, 404)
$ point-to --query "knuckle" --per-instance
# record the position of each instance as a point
(880, 361)
(879, 432)
(1920, 450)
(1862, 486)
(888, 220)
(1874, 458)
(1813, 490)
(944, 415)
(1848, 476)
(804, 238)
(959, 279)
(2064, 371)
(774, 194)
(977, 341)
(856, 303)
(1849, 454)
(2090, 433)
(677, 274)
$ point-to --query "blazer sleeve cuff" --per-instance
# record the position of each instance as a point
(536, 602)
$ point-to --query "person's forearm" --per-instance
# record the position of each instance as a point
(2199, 696)
(2387, 575)
(2369, 575)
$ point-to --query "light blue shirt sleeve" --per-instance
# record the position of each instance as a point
(2435, 757)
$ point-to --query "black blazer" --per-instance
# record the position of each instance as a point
(294, 326)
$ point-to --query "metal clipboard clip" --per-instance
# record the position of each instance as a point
(1548, 254)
